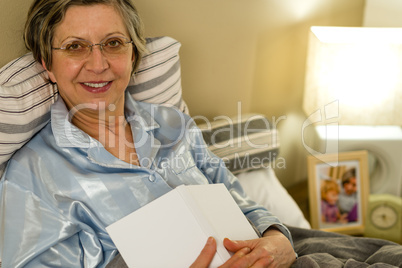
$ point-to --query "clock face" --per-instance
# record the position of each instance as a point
(384, 216)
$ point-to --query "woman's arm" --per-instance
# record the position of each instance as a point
(276, 246)
(38, 234)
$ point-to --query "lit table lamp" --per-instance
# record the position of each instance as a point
(353, 96)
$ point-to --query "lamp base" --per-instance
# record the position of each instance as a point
(384, 144)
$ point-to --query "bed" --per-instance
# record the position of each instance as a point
(323, 249)
(26, 97)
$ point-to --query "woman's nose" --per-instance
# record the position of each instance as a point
(96, 61)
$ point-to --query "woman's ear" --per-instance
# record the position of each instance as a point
(51, 75)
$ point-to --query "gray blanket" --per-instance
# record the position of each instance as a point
(323, 249)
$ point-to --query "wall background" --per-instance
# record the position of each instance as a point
(235, 53)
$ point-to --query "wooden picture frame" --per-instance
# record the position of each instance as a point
(338, 201)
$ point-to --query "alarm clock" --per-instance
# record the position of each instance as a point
(384, 217)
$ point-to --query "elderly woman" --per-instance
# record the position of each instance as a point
(103, 155)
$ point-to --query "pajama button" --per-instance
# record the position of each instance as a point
(151, 178)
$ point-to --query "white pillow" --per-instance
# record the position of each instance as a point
(26, 94)
(263, 187)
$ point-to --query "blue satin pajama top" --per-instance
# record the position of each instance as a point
(63, 188)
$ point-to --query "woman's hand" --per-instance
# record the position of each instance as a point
(272, 250)
(208, 252)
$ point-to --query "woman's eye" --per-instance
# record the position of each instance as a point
(114, 43)
(74, 46)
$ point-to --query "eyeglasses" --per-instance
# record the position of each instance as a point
(80, 49)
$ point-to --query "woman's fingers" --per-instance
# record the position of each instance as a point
(207, 254)
(248, 254)
(231, 245)
(234, 246)
(236, 257)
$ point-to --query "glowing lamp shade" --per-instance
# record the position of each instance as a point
(360, 69)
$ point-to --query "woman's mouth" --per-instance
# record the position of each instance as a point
(96, 87)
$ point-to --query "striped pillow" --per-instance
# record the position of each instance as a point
(26, 95)
(158, 78)
(244, 143)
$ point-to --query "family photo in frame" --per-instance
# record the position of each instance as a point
(338, 191)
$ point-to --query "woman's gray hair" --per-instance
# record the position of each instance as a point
(45, 15)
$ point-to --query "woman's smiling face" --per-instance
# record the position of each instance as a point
(98, 80)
